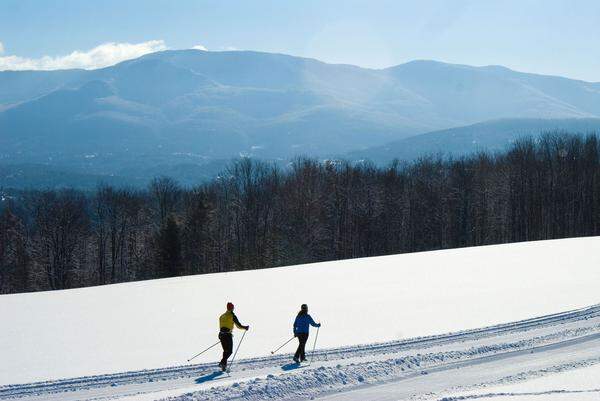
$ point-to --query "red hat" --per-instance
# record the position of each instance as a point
(229, 306)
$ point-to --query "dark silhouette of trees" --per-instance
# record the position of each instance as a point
(62, 224)
(194, 232)
(168, 248)
(14, 260)
(255, 215)
(165, 193)
(117, 216)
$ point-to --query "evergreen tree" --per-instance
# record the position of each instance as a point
(169, 249)
(14, 269)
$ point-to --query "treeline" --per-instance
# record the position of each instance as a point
(255, 215)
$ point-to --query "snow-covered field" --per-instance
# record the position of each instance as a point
(161, 323)
(575, 384)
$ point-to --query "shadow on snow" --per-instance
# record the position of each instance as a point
(291, 366)
(209, 377)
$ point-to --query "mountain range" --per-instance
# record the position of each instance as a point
(193, 108)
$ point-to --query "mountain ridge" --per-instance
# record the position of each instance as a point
(275, 106)
(491, 136)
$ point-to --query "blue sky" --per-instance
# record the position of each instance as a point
(549, 37)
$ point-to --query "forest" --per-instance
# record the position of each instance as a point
(256, 215)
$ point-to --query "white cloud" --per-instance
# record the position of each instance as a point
(105, 55)
(1, 48)
(200, 47)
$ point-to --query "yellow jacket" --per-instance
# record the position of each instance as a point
(227, 320)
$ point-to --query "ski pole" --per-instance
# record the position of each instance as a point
(200, 353)
(236, 351)
(312, 356)
(282, 345)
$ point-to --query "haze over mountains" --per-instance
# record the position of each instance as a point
(175, 109)
(492, 136)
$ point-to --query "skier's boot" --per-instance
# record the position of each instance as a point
(223, 366)
(302, 359)
(296, 360)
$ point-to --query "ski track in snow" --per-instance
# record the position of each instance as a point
(521, 377)
(533, 393)
(338, 373)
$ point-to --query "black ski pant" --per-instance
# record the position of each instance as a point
(227, 344)
(300, 352)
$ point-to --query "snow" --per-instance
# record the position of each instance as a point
(577, 396)
(571, 380)
(161, 323)
(391, 371)
(423, 371)
(574, 385)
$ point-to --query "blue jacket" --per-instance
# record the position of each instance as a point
(301, 323)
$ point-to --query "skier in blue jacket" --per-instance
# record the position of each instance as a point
(301, 328)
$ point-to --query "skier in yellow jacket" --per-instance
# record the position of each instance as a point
(226, 323)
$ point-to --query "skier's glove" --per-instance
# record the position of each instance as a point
(246, 327)
(319, 325)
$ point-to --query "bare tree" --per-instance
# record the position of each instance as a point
(165, 194)
(61, 223)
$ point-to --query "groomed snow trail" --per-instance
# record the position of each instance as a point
(414, 368)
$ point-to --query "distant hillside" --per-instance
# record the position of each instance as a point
(179, 105)
(134, 174)
(36, 176)
(490, 135)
